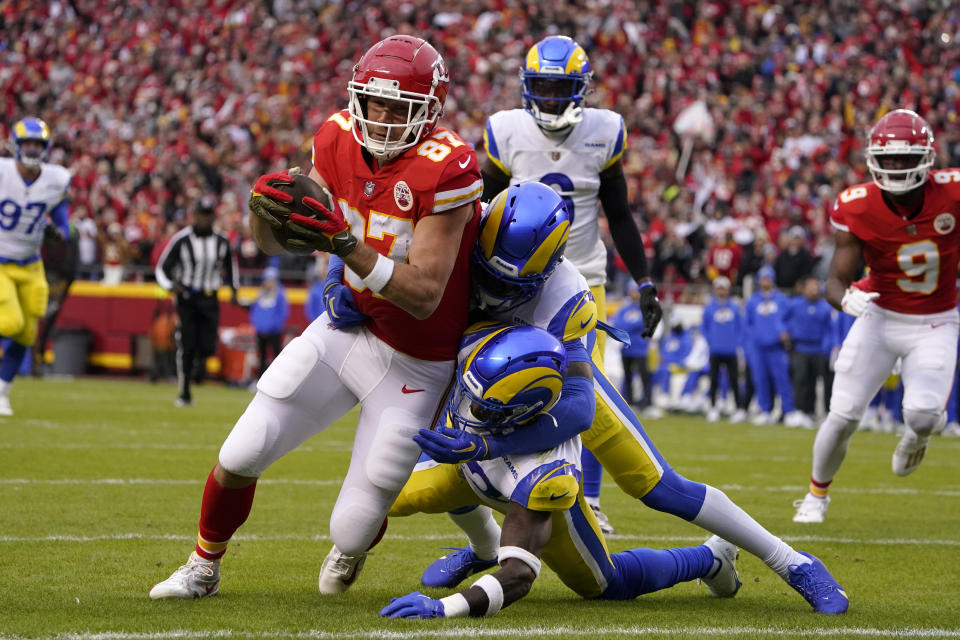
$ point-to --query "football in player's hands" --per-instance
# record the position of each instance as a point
(277, 196)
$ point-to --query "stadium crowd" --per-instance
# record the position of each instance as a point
(153, 105)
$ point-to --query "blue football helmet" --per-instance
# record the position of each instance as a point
(554, 79)
(523, 233)
(30, 129)
(513, 374)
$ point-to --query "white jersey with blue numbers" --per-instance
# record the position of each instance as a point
(516, 145)
(25, 209)
(564, 306)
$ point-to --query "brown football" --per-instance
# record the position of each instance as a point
(301, 187)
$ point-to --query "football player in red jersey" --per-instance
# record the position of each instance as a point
(903, 225)
(405, 196)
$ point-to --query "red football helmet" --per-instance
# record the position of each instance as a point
(404, 69)
(901, 133)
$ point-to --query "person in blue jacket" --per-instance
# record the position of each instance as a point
(723, 329)
(268, 315)
(675, 346)
(765, 325)
(809, 326)
(629, 317)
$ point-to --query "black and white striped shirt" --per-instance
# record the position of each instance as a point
(197, 262)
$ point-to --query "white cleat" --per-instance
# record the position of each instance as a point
(811, 509)
(602, 520)
(198, 578)
(713, 415)
(762, 419)
(951, 430)
(909, 453)
(738, 416)
(339, 571)
(725, 581)
(5, 408)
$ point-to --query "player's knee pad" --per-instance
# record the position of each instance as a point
(836, 422)
(922, 422)
(356, 520)
(243, 451)
(393, 453)
(290, 369)
(36, 297)
(676, 495)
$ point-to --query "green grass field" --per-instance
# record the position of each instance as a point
(100, 485)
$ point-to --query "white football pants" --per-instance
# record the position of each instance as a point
(315, 380)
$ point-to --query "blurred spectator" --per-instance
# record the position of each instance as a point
(87, 243)
(268, 315)
(162, 331)
(795, 260)
(809, 324)
(723, 330)
(765, 327)
(116, 252)
(634, 355)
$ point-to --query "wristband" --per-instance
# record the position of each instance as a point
(494, 590)
(521, 554)
(645, 284)
(381, 273)
(455, 606)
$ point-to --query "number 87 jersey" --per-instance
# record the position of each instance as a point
(24, 208)
(912, 263)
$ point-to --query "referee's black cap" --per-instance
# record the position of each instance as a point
(206, 204)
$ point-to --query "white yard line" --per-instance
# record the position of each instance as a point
(888, 491)
(512, 632)
(882, 542)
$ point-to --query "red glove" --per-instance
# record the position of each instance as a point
(325, 230)
(270, 203)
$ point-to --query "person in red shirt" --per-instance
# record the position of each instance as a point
(404, 218)
(903, 225)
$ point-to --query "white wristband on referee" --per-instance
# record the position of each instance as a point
(494, 590)
(455, 606)
(521, 554)
(381, 273)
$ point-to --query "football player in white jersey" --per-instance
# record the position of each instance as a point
(577, 150)
(509, 376)
(32, 193)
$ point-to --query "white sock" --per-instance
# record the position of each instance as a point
(719, 515)
(783, 557)
(5, 387)
(482, 531)
(593, 501)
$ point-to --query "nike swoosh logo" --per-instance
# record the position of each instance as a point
(936, 325)
(554, 496)
(586, 322)
(463, 165)
(472, 446)
(405, 390)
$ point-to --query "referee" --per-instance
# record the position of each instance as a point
(193, 266)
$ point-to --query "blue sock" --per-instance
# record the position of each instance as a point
(592, 473)
(640, 571)
(11, 360)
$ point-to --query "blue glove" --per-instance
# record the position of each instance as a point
(451, 446)
(337, 299)
(413, 605)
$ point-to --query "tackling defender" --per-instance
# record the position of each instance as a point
(555, 139)
(31, 190)
(520, 277)
(903, 225)
(510, 376)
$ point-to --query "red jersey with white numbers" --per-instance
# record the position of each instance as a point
(383, 206)
(912, 262)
